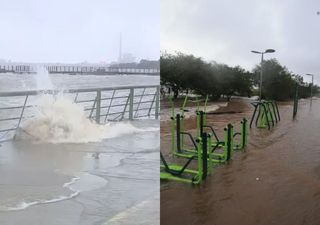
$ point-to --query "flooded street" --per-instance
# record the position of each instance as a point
(108, 182)
(275, 180)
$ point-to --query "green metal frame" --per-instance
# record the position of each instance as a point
(243, 135)
(183, 110)
(227, 145)
(181, 173)
(179, 148)
(204, 151)
(182, 117)
(182, 113)
(268, 114)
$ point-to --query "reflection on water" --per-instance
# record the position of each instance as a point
(276, 180)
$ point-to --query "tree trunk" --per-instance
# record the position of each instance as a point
(175, 94)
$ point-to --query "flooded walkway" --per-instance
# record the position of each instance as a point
(276, 180)
(109, 182)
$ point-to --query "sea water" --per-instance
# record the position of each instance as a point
(62, 163)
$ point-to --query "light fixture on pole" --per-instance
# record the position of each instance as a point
(262, 53)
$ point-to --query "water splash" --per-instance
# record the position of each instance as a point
(43, 79)
(60, 120)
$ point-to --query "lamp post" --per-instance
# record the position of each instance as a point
(262, 53)
(312, 75)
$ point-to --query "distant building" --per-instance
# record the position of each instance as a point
(143, 64)
(127, 58)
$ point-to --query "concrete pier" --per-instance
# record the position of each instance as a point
(78, 69)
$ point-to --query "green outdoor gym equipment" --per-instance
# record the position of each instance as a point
(214, 156)
(268, 114)
(228, 144)
(217, 143)
(181, 173)
(183, 110)
(243, 135)
(219, 150)
(207, 149)
(181, 150)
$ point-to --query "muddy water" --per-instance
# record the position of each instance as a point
(276, 180)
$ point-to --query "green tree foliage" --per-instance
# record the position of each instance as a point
(182, 72)
(279, 83)
(187, 73)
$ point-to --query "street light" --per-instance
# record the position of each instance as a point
(262, 53)
(312, 75)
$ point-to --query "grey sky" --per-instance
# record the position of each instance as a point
(227, 30)
(78, 30)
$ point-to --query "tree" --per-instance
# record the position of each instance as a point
(277, 81)
(187, 73)
(181, 72)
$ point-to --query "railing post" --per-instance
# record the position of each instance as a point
(157, 103)
(105, 119)
(76, 98)
(94, 105)
(125, 108)
(153, 100)
(98, 105)
(137, 109)
(131, 104)
(21, 115)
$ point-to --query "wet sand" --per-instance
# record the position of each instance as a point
(116, 181)
(275, 180)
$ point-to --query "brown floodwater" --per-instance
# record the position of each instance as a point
(274, 181)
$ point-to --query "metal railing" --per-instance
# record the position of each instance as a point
(100, 104)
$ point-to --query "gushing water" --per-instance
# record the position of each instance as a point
(43, 79)
(60, 120)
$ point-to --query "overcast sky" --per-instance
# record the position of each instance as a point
(78, 30)
(227, 30)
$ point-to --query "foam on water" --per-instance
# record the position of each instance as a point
(23, 205)
(78, 184)
(86, 182)
(60, 120)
